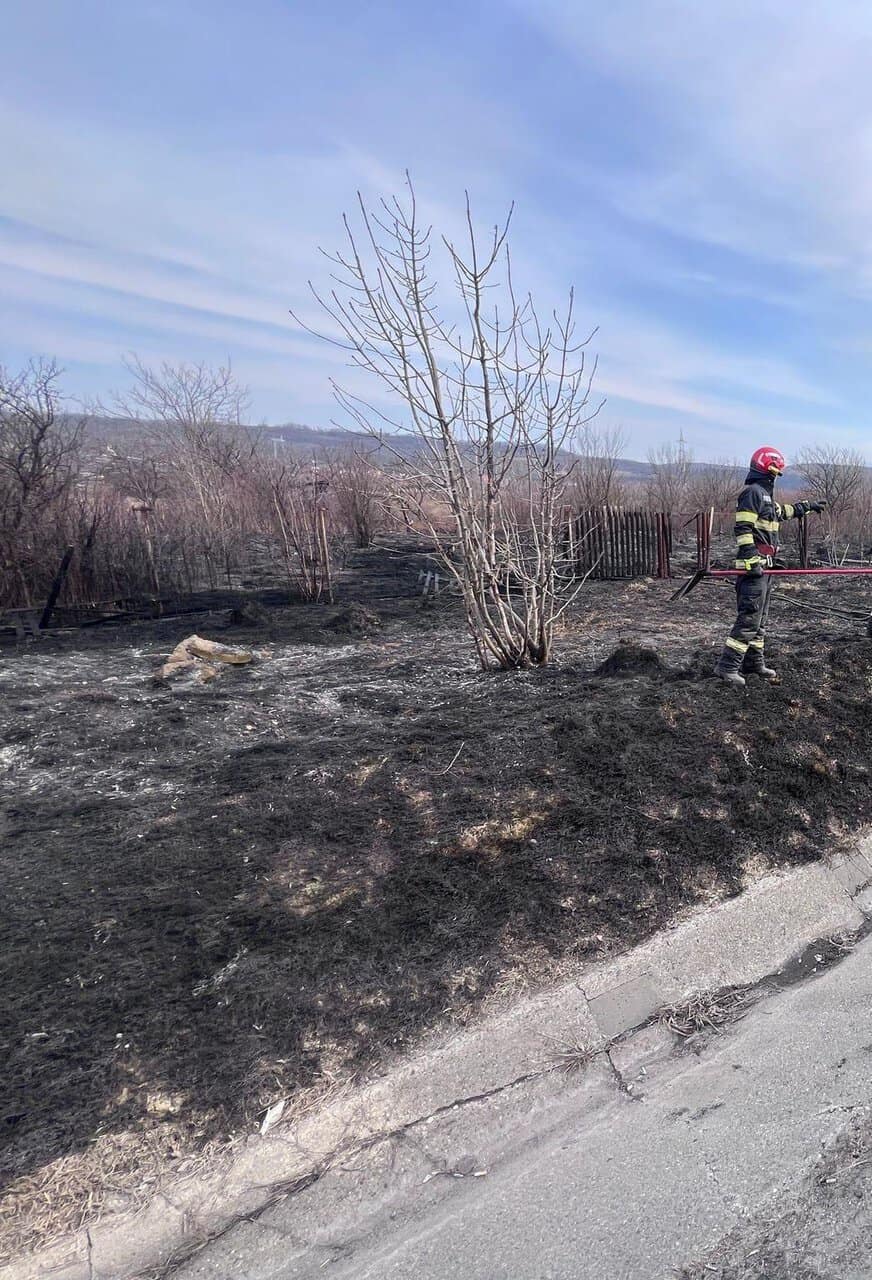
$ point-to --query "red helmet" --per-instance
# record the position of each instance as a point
(769, 460)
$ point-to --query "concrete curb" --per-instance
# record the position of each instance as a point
(738, 941)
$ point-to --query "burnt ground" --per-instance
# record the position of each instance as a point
(217, 896)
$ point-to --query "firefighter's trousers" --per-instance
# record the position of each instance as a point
(744, 647)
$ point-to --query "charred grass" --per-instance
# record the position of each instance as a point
(217, 897)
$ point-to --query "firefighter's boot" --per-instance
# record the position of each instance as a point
(728, 667)
(755, 664)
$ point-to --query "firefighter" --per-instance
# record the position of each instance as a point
(758, 516)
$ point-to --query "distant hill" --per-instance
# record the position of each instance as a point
(297, 437)
(106, 430)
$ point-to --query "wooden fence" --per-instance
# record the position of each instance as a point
(704, 521)
(611, 542)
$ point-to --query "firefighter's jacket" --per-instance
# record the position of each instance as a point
(758, 517)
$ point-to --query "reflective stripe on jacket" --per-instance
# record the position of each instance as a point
(758, 517)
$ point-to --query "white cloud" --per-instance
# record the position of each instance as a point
(760, 118)
(759, 140)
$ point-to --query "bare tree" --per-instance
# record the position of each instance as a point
(834, 475)
(357, 493)
(668, 485)
(195, 401)
(596, 478)
(194, 415)
(287, 499)
(495, 396)
(142, 474)
(715, 484)
(39, 463)
(862, 522)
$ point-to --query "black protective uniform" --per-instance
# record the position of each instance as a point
(758, 517)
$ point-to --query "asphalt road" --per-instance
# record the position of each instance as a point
(748, 1159)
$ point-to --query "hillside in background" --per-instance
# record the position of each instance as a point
(297, 438)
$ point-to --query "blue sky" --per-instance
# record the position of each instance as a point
(700, 172)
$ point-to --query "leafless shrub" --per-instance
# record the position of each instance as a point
(190, 502)
(495, 400)
(838, 477)
(832, 474)
(191, 401)
(862, 523)
(191, 418)
(358, 495)
(715, 485)
(596, 477)
(286, 501)
(668, 486)
(40, 459)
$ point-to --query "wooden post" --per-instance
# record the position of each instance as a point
(667, 538)
(152, 567)
(803, 544)
(56, 589)
(659, 525)
(570, 540)
(589, 555)
(324, 549)
(666, 533)
(710, 524)
(606, 542)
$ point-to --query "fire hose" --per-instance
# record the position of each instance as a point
(704, 574)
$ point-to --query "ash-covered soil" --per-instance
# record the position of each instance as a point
(219, 896)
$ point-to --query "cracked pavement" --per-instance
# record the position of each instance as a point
(682, 1163)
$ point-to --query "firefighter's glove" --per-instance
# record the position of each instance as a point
(780, 564)
(756, 569)
(817, 507)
